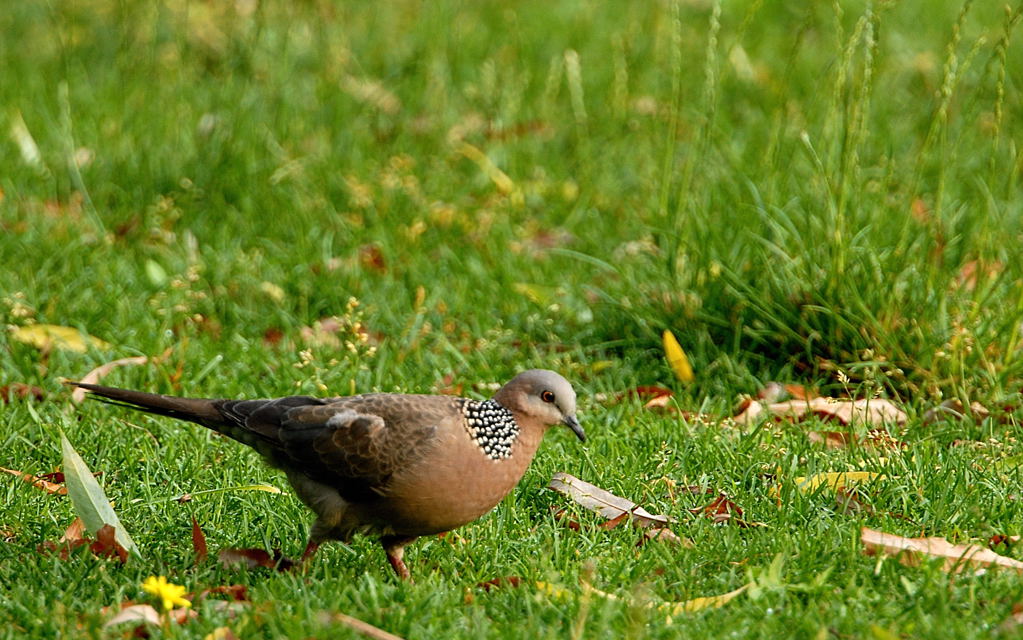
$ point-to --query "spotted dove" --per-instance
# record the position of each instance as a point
(399, 466)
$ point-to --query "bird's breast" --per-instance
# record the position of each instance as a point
(453, 485)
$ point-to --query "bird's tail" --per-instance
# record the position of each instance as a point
(199, 410)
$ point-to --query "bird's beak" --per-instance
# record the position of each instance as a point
(573, 424)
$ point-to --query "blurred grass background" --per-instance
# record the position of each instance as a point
(796, 190)
(779, 186)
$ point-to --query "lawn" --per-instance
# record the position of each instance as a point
(327, 198)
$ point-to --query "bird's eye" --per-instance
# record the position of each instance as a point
(547, 396)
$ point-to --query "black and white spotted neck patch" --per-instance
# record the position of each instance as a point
(491, 427)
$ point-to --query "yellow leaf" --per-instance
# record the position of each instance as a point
(667, 608)
(677, 358)
(836, 479)
(48, 336)
(257, 487)
(696, 604)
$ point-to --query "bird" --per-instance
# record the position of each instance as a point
(398, 466)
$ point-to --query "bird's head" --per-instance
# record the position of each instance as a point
(543, 396)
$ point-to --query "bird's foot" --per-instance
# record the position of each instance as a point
(399, 566)
(394, 546)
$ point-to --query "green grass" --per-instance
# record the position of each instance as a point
(798, 192)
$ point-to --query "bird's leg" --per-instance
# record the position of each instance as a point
(394, 547)
(324, 528)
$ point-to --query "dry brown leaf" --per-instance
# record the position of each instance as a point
(1000, 539)
(952, 410)
(604, 502)
(612, 507)
(719, 510)
(773, 392)
(199, 543)
(237, 592)
(561, 515)
(38, 482)
(94, 376)
(372, 257)
(359, 626)
(253, 558)
(137, 613)
(800, 392)
(607, 525)
(664, 534)
(181, 615)
(722, 510)
(874, 411)
(656, 397)
(75, 532)
(21, 391)
(658, 534)
(958, 557)
(142, 614)
(273, 336)
(647, 391)
(658, 402)
(748, 410)
(105, 545)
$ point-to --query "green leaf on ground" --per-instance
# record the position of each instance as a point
(88, 498)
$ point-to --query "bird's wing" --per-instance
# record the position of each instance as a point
(354, 444)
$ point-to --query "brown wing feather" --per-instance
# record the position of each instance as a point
(353, 444)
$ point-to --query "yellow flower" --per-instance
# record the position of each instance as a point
(171, 594)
